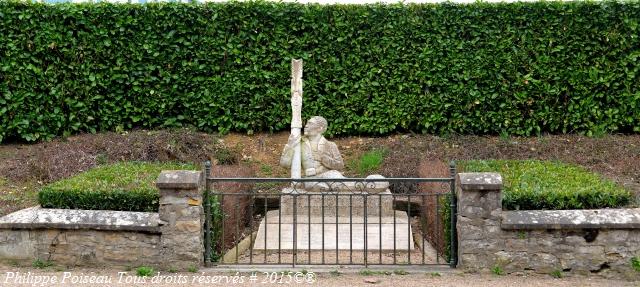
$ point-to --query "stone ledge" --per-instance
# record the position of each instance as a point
(45, 218)
(628, 218)
(478, 181)
(179, 179)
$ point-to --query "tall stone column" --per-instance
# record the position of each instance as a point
(479, 215)
(181, 217)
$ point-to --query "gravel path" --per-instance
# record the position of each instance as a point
(11, 276)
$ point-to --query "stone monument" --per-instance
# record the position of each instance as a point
(326, 214)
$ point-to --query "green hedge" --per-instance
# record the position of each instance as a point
(518, 68)
(122, 186)
(534, 184)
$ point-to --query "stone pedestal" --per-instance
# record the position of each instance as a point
(182, 217)
(342, 204)
(316, 221)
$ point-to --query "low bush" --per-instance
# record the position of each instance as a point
(41, 264)
(535, 184)
(126, 186)
(144, 271)
(635, 263)
(445, 209)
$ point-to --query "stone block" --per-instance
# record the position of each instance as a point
(188, 226)
(472, 211)
(544, 262)
(348, 233)
(481, 246)
(574, 240)
(476, 181)
(519, 261)
(612, 236)
(16, 245)
(592, 250)
(356, 204)
(623, 218)
(517, 244)
(470, 232)
(179, 180)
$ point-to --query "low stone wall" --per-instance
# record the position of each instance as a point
(542, 241)
(171, 237)
(80, 237)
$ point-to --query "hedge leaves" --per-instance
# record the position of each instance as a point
(519, 68)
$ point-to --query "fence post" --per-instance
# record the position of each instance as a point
(181, 217)
(453, 261)
(479, 215)
(207, 215)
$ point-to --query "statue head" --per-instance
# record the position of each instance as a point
(315, 126)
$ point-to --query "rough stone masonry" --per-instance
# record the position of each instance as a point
(542, 241)
(171, 237)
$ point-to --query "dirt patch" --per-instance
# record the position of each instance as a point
(234, 203)
(30, 165)
(433, 206)
(61, 158)
(24, 168)
(616, 157)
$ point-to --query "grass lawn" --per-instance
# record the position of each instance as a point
(536, 184)
(367, 163)
(120, 186)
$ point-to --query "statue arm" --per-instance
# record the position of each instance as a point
(287, 156)
(331, 158)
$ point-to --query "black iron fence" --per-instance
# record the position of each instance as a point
(332, 221)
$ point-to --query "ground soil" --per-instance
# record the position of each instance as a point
(340, 279)
(26, 167)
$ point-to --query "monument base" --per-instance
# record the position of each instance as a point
(312, 232)
(342, 204)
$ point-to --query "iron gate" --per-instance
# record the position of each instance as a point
(320, 221)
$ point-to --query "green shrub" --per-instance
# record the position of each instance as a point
(41, 264)
(122, 186)
(534, 184)
(635, 263)
(144, 271)
(217, 241)
(368, 163)
(497, 270)
(227, 156)
(512, 68)
(445, 209)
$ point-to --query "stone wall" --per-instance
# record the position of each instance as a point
(542, 241)
(73, 247)
(171, 237)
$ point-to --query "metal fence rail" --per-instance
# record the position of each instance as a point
(318, 221)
